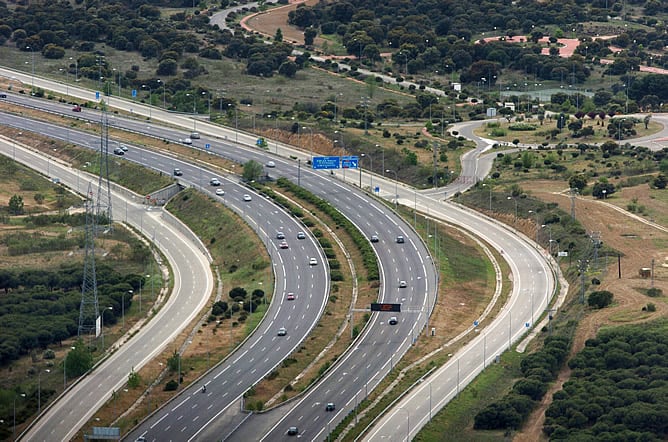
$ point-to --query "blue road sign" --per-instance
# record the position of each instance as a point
(134, 93)
(349, 162)
(207, 146)
(97, 95)
(376, 189)
(475, 323)
(326, 163)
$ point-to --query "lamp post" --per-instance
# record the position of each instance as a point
(236, 122)
(76, 68)
(32, 85)
(310, 140)
(164, 93)
(619, 132)
(209, 102)
(65, 369)
(490, 194)
(396, 189)
(194, 111)
(406, 63)
(102, 325)
(130, 292)
(23, 395)
(359, 166)
(39, 390)
(150, 93)
(513, 198)
(549, 228)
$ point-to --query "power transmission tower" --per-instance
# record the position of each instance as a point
(103, 209)
(89, 311)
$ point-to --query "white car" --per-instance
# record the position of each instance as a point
(282, 331)
(313, 262)
(271, 164)
(402, 284)
(220, 192)
(247, 197)
(187, 141)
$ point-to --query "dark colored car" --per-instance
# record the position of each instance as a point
(400, 239)
(330, 406)
(178, 172)
(293, 431)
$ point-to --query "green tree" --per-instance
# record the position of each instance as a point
(16, 205)
(288, 69)
(309, 35)
(78, 360)
(252, 171)
(578, 182)
(278, 37)
(134, 379)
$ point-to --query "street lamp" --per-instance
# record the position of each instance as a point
(396, 189)
(406, 61)
(236, 123)
(76, 69)
(370, 171)
(39, 390)
(150, 93)
(549, 228)
(513, 198)
(490, 194)
(32, 50)
(209, 102)
(164, 92)
(130, 292)
(310, 140)
(102, 325)
(23, 395)
(194, 111)
(619, 132)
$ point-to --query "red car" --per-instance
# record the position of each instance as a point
(76, 108)
(290, 297)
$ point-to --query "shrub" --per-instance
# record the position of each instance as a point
(600, 299)
(654, 292)
(522, 127)
(171, 385)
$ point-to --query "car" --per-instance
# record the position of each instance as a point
(247, 197)
(374, 238)
(282, 331)
(280, 235)
(124, 147)
(400, 239)
(140, 439)
(220, 192)
(402, 284)
(3, 95)
(290, 297)
(76, 108)
(118, 151)
(187, 141)
(301, 235)
(293, 431)
(330, 406)
(393, 320)
(284, 245)
(313, 262)
(214, 182)
(177, 172)
(271, 164)
(194, 135)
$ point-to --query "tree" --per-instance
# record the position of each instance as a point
(278, 37)
(603, 190)
(288, 69)
(252, 171)
(309, 35)
(507, 112)
(16, 205)
(167, 66)
(578, 182)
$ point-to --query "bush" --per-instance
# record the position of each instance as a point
(171, 385)
(654, 292)
(522, 126)
(600, 299)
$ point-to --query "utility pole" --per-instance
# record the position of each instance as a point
(582, 267)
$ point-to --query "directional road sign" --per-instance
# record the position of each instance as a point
(349, 162)
(326, 162)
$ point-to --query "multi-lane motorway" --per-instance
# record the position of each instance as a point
(376, 351)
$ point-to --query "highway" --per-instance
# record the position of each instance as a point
(315, 425)
(400, 263)
(309, 283)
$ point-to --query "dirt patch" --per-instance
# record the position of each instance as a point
(267, 23)
(638, 244)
